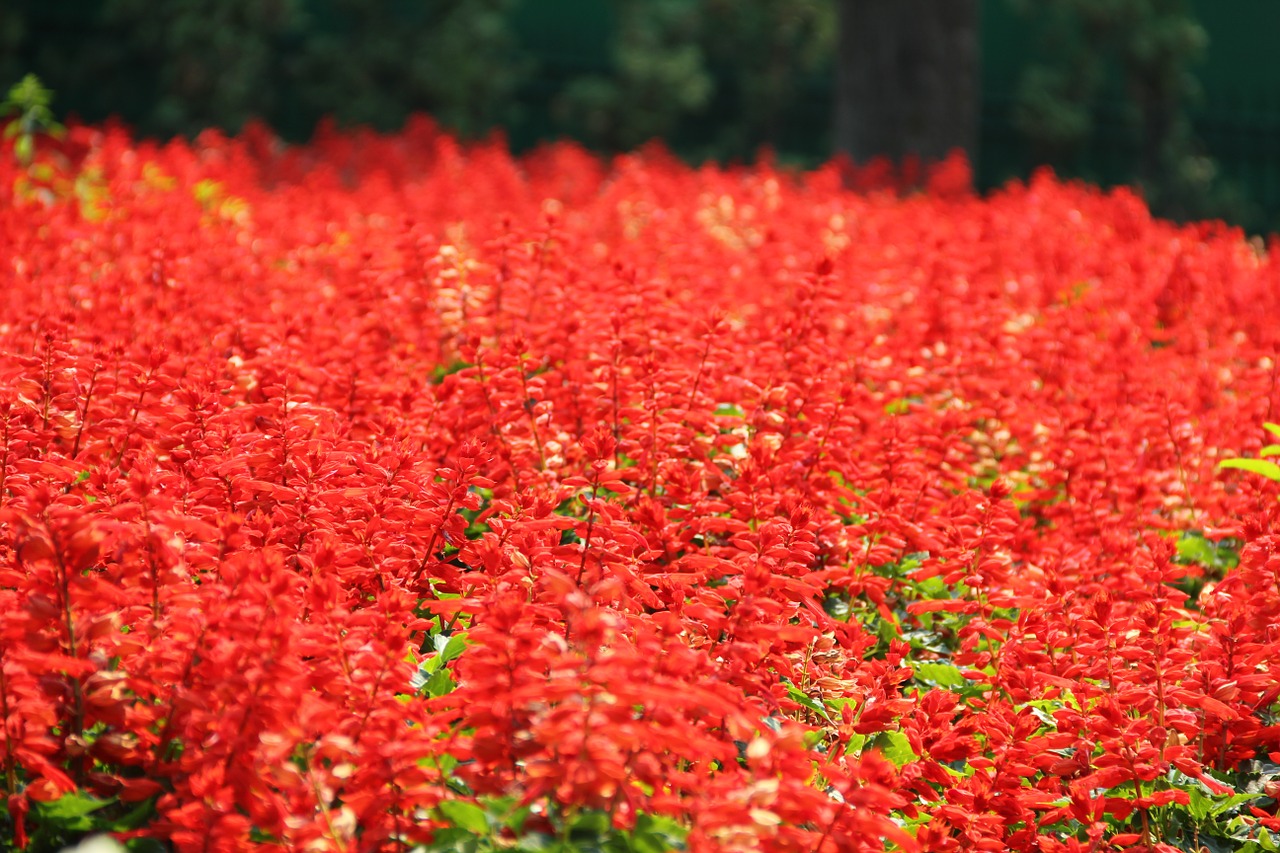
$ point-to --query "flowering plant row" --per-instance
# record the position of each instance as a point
(389, 494)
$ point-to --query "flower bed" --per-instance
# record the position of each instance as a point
(390, 494)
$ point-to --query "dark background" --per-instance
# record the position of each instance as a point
(1058, 79)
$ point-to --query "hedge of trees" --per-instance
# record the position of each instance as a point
(715, 78)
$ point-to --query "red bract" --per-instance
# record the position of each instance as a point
(384, 491)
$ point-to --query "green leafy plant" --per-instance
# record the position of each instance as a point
(28, 103)
(500, 823)
(433, 675)
(78, 816)
(659, 76)
(1140, 57)
(1212, 821)
(1209, 561)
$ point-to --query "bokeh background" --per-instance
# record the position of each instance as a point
(1180, 97)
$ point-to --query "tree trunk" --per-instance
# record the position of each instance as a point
(907, 78)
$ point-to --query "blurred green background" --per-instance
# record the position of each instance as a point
(1064, 82)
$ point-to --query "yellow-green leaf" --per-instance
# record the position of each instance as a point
(1270, 470)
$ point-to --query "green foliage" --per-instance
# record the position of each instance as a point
(1208, 821)
(1138, 53)
(373, 61)
(27, 108)
(500, 824)
(1214, 559)
(210, 57)
(672, 60)
(1217, 557)
(1270, 470)
(713, 77)
(659, 75)
(182, 66)
(73, 817)
(893, 746)
(937, 674)
(768, 53)
(933, 634)
(1222, 822)
(1265, 467)
(433, 676)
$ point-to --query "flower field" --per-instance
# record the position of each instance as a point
(392, 494)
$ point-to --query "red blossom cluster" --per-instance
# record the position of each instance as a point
(352, 490)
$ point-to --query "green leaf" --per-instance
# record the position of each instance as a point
(146, 845)
(506, 813)
(439, 684)
(657, 834)
(450, 648)
(944, 675)
(465, 815)
(70, 812)
(591, 824)
(1043, 710)
(133, 819)
(1274, 429)
(452, 839)
(1232, 801)
(1198, 805)
(836, 607)
(1270, 470)
(1194, 548)
(804, 701)
(1270, 450)
(856, 743)
(535, 842)
(424, 672)
(896, 747)
(71, 806)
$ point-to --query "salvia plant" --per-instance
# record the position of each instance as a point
(27, 114)
(394, 494)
